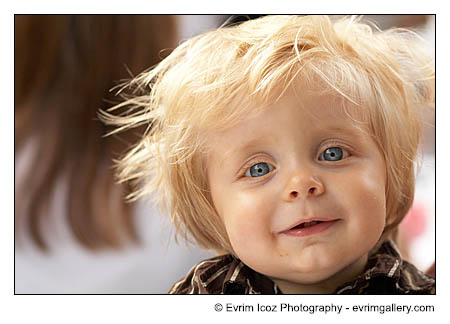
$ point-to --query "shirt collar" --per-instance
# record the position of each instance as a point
(240, 279)
(385, 262)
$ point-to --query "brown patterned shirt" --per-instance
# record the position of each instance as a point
(386, 273)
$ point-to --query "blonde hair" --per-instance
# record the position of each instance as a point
(213, 80)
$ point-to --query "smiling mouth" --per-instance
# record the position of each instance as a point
(310, 227)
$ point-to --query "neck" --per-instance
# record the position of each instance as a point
(326, 286)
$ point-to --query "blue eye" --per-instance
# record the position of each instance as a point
(332, 154)
(258, 170)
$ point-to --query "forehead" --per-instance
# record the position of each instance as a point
(324, 104)
(310, 110)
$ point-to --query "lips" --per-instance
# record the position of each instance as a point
(310, 227)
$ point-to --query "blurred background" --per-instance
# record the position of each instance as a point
(73, 232)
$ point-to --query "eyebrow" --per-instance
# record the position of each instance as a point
(351, 128)
(251, 144)
(254, 143)
(235, 154)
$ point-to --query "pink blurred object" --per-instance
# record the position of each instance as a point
(415, 222)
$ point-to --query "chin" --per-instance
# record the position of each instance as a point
(317, 273)
(313, 278)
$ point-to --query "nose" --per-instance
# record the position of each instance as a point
(305, 185)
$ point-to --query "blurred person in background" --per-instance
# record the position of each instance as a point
(74, 232)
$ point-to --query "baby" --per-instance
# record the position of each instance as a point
(286, 144)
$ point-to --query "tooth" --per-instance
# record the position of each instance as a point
(310, 224)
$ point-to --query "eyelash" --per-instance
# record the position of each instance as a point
(253, 162)
(343, 147)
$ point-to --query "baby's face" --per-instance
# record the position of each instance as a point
(300, 189)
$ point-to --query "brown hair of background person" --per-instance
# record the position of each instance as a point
(65, 66)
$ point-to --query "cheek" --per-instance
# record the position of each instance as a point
(247, 213)
(247, 219)
(369, 202)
